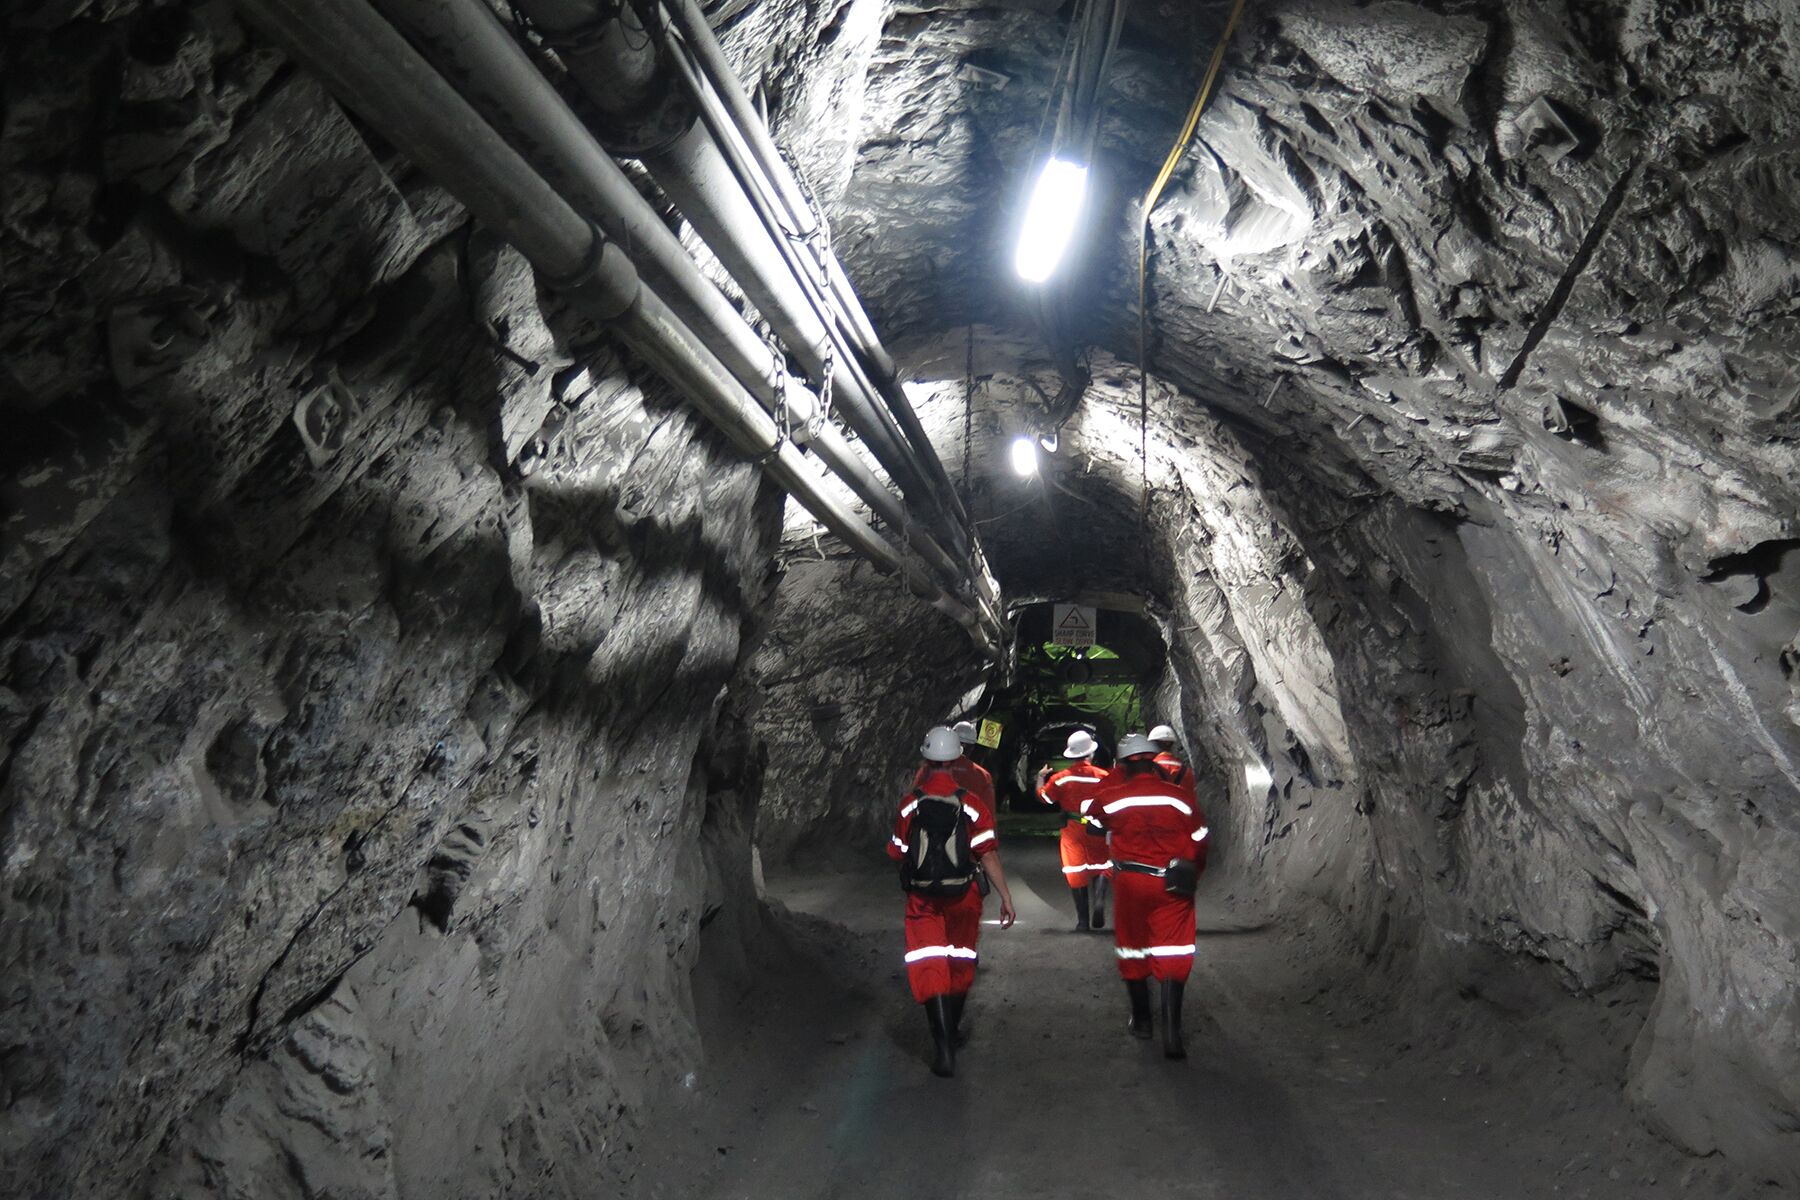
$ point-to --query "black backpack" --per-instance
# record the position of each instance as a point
(938, 861)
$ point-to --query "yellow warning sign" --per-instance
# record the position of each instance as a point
(1072, 625)
(989, 734)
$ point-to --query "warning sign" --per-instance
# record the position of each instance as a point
(1072, 625)
(989, 734)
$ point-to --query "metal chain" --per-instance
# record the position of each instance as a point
(825, 373)
(819, 240)
(784, 428)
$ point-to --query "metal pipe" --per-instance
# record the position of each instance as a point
(692, 23)
(470, 46)
(710, 180)
(370, 67)
(699, 35)
(768, 266)
(616, 71)
(603, 69)
(692, 170)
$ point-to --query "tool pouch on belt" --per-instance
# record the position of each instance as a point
(1181, 877)
(981, 881)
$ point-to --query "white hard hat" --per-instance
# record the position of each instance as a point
(965, 732)
(1162, 733)
(1081, 744)
(941, 744)
(1133, 744)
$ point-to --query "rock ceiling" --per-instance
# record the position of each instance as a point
(1487, 257)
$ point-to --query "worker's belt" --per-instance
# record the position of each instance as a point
(1180, 877)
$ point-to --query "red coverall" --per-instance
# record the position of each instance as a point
(1174, 770)
(941, 931)
(1084, 853)
(1150, 820)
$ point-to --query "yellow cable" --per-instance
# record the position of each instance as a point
(1150, 198)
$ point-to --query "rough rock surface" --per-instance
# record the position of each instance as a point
(851, 672)
(1472, 442)
(368, 769)
(378, 712)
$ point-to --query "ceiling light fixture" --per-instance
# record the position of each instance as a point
(1024, 456)
(1050, 218)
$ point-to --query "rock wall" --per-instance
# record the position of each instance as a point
(1487, 739)
(375, 716)
(368, 770)
(852, 672)
(1495, 302)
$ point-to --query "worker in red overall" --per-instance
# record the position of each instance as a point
(969, 774)
(943, 837)
(1158, 838)
(1085, 864)
(1172, 768)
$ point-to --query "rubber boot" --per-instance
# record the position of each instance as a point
(1097, 905)
(1139, 991)
(1171, 1018)
(1081, 910)
(959, 1037)
(937, 1013)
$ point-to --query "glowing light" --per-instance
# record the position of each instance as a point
(1024, 456)
(1050, 217)
(1257, 776)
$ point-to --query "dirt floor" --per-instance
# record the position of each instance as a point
(1298, 1085)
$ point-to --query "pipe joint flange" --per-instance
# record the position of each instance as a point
(589, 37)
(603, 282)
(585, 272)
(621, 57)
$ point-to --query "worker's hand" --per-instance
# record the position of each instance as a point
(1007, 915)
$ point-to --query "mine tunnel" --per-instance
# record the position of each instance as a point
(497, 497)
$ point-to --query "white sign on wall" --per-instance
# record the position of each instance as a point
(1072, 625)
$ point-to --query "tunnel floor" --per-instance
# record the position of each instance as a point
(1298, 1084)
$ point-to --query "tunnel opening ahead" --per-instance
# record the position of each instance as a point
(1097, 673)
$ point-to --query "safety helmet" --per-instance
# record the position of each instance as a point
(1134, 744)
(942, 744)
(965, 732)
(1081, 744)
(1162, 733)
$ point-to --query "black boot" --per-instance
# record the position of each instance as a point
(1097, 890)
(1081, 909)
(1139, 991)
(1171, 1018)
(937, 1012)
(959, 1037)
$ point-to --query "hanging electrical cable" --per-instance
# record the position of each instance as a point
(1150, 198)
